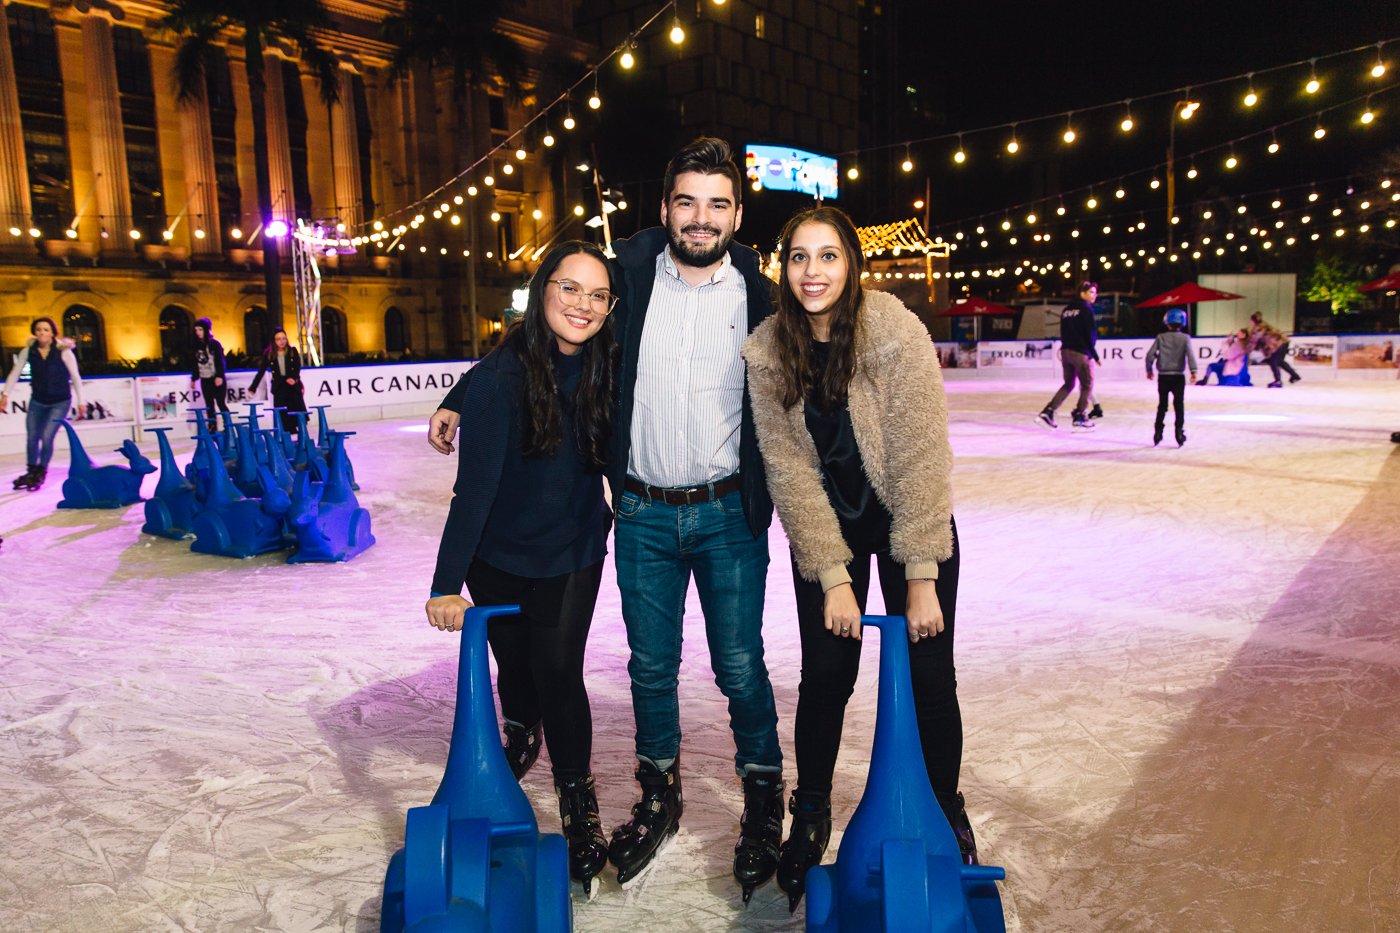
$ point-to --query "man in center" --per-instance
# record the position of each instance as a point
(691, 500)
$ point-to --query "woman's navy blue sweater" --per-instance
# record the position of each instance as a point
(530, 516)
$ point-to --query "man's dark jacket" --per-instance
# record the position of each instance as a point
(636, 258)
(636, 261)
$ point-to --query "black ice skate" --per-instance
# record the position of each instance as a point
(522, 747)
(962, 831)
(35, 480)
(1157, 435)
(655, 819)
(806, 844)
(760, 830)
(1096, 411)
(588, 851)
(1180, 437)
(1081, 423)
(22, 481)
(1046, 419)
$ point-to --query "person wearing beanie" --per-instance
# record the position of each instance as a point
(207, 367)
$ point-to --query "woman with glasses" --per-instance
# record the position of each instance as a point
(528, 523)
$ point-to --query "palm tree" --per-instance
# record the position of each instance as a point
(440, 34)
(259, 24)
(477, 53)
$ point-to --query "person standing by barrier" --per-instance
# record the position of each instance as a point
(1171, 353)
(1078, 335)
(207, 368)
(1273, 344)
(529, 524)
(54, 385)
(853, 425)
(284, 384)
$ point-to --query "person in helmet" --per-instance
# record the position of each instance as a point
(1171, 353)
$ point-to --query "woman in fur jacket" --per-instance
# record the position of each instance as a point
(848, 402)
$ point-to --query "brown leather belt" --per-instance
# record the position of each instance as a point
(688, 496)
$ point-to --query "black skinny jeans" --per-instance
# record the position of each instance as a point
(1279, 360)
(213, 395)
(539, 655)
(1171, 386)
(831, 663)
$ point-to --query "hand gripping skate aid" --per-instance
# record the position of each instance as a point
(106, 487)
(474, 859)
(899, 869)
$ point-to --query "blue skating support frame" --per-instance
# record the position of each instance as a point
(170, 512)
(899, 868)
(323, 442)
(474, 859)
(326, 517)
(107, 487)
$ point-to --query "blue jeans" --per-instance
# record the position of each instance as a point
(40, 425)
(658, 547)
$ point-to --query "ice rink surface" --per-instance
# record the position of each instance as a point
(1179, 672)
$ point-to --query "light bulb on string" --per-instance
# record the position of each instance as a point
(1273, 144)
(1231, 160)
(520, 154)
(960, 156)
(627, 59)
(1092, 203)
(1251, 97)
(1069, 135)
(1191, 172)
(456, 199)
(853, 173)
(1313, 85)
(569, 121)
(1013, 145)
(548, 139)
(508, 169)
(1127, 123)
(1378, 69)
(595, 101)
(677, 33)
(1320, 131)
(1154, 184)
(907, 165)
(1368, 116)
(1119, 193)
(1060, 211)
(489, 180)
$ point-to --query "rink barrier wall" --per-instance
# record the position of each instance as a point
(1331, 356)
(117, 408)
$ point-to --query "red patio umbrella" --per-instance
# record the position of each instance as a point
(976, 308)
(1386, 283)
(1188, 293)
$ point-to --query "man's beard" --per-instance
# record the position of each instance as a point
(692, 254)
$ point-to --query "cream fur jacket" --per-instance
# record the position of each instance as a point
(900, 421)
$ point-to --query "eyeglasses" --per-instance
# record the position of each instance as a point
(573, 294)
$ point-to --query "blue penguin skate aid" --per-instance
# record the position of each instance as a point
(474, 859)
(899, 868)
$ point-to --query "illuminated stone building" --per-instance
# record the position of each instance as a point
(125, 214)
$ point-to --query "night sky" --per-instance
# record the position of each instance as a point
(982, 63)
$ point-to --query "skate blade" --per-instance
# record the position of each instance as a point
(592, 886)
(632, 882)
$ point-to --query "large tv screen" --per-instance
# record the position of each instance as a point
(779, 168)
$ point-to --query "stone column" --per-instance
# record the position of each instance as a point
(15, 206)
(279, 143)
(113, 192)
(345, 153)
(201, 182)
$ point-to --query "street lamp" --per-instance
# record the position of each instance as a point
(1185, 108)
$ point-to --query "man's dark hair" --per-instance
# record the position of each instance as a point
(706, 156)
(1086, 285)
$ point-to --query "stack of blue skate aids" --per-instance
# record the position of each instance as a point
(899, 868)
(474, 859)
(245, 491)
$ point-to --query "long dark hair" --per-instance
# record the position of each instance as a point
(533, 341)
(271, 349)
(795, 331)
